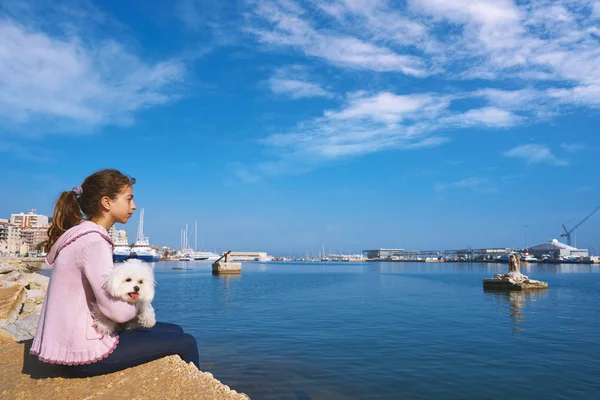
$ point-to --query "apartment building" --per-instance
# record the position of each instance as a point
(22, 233)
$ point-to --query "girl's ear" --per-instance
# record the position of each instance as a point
(105, 202)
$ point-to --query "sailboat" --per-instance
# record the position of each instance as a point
(185, 254)
(142, 249)
(202, 255)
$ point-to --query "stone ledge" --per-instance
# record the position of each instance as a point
(24, 377)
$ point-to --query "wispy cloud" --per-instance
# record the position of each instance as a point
(546, 52)
(474, 183)
(487, 116)
(26, 152)
(535, 154)
(216, 21)
(281, 23)
(572, 147)
(66, 81)
(294, 82)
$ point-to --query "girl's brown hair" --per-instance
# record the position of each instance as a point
(73, 205)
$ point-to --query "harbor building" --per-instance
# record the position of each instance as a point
(117, 235)
(384, 253)
(23, 233)
(460, 254)
(557, 250)
(29, 220)
(11, 239)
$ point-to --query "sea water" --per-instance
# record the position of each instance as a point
(389, 330)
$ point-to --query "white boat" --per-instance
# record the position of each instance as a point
(141, 248)
(122, 249)
(205, 256)
(528, 258)
(185, 257)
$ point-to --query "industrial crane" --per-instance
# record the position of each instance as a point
(568, 232)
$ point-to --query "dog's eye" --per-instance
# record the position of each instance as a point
(140, 281)
(128, 280)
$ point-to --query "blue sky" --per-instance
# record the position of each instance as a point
(283, 126)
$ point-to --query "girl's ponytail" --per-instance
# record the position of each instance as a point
(67, 214)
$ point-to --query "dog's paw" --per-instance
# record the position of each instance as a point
(146, 317)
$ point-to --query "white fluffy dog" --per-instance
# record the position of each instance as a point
(133, 282)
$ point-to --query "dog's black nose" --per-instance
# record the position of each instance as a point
(136, 288)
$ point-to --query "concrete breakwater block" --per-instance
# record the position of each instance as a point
(220, 268)
(508, 284)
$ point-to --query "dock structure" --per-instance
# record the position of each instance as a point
(226, 267)
(428, 255)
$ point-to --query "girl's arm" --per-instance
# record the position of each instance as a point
(97, 261)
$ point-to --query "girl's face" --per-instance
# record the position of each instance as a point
(121, 208)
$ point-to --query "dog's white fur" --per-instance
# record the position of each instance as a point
(123, 280)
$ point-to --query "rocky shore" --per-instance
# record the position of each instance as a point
(22, 292)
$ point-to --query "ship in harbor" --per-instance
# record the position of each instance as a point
(141, 248)
(122, 250)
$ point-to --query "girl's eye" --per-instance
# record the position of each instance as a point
(128, 280)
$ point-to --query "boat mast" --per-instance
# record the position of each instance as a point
(140, 232)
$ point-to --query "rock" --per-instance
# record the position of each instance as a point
(506, 284)
(6, 337)
(34, 281)
(166, 378)
(23, 328)
(11, 300)
(12, 276)
(513, 280)
(31, 306)
(4, 269)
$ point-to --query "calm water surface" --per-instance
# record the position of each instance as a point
(389, 330)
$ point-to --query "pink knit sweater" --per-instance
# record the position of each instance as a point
(80, 259)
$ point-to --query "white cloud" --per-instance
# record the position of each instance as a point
(365, 124)
(528, 62)
(535, 154)
(293, 81)
(572, 147)
(390, 108)
(286, 27)
(68, 82)
(474, 183)
(488, 116)
(297, 89)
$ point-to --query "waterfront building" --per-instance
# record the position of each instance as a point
(384, 253)
(30, 220)
(11, 239)
(23, 233)
(557, 250)
(117, 235)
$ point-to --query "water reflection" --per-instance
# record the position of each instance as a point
(516, 300)
(225, 284)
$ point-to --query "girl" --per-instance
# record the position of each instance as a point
(80, 253)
